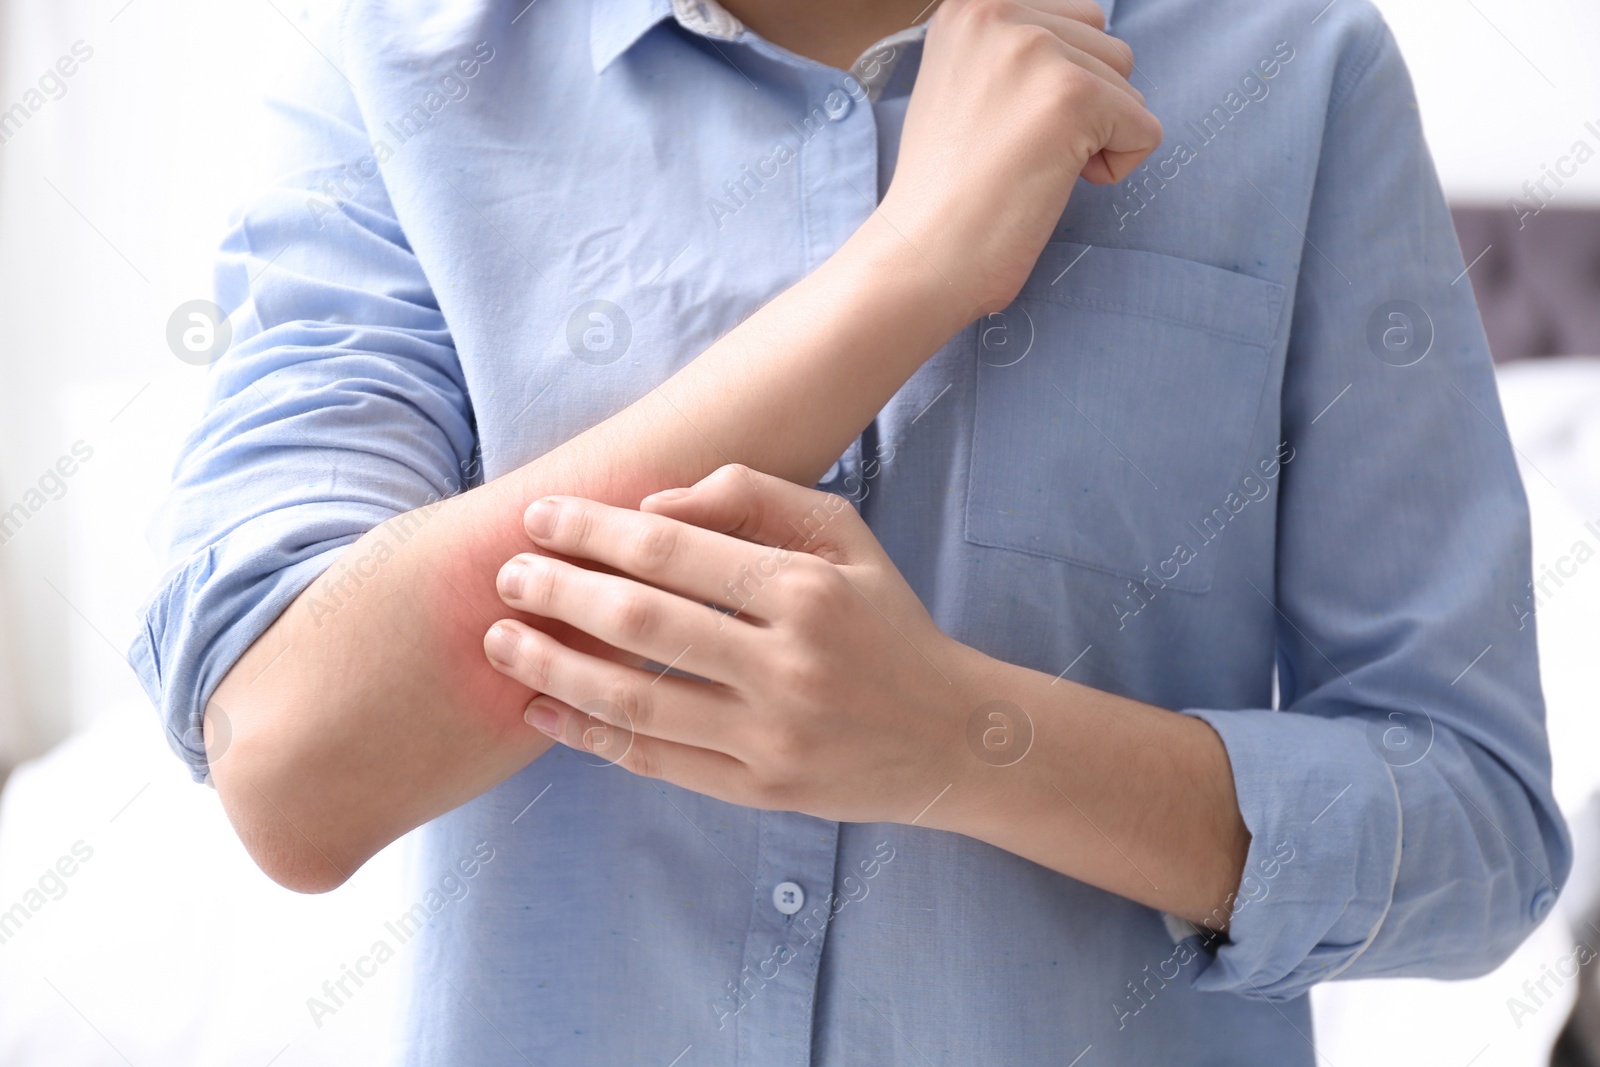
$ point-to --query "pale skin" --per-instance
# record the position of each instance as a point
(830, 690)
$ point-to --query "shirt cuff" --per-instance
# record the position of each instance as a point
(1325, 827)
(207, 612)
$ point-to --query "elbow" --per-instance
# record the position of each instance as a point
(1541, 865)
(269, 811)
(283, 852)
(289, 858)
(1516, 851)
(1519, 895)
(300, 870)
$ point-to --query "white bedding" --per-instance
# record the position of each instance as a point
(166, 947)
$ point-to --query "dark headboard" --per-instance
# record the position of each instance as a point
(1538, 286)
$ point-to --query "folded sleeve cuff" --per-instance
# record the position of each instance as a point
(1324, 818)
(213, 606)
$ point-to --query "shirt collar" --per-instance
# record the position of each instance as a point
(616, 25)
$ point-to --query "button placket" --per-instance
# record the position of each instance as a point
(777, 987)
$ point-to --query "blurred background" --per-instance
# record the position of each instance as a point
(164, 945)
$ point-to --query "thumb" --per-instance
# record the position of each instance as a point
(748, 504)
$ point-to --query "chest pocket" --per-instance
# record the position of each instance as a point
(1117, 403)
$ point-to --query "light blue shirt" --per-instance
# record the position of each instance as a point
(1240, 424)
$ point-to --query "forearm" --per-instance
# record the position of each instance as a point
(1133, 799)
(349, 729)
(789, 389)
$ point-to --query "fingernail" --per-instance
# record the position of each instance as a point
(544, 717)
(666, 496)
(501, 645)
(512, 578)
(540, 519)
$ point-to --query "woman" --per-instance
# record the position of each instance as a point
(976, 755)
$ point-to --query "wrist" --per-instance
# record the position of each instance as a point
(986, 745)
(913, 272)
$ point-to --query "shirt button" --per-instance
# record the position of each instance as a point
(788, 897)
(1542, 901)
(836, 105)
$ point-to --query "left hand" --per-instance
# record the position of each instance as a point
(826, 689)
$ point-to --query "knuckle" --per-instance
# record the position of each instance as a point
(811, 586)
(987, 10)
(641, 759)
(789, 745)
(771, 788)
(654, 547)
(576, 525)
(538, 655)
(632, 615)
(797, 672)
(732, 478)
(631, 702)
(1076, 86)
(1033, 41)
(539, 586)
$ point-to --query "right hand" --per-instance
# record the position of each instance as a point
(1013, 103)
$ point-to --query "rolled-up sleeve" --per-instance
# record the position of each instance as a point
(340, 403)
(1399, 802)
